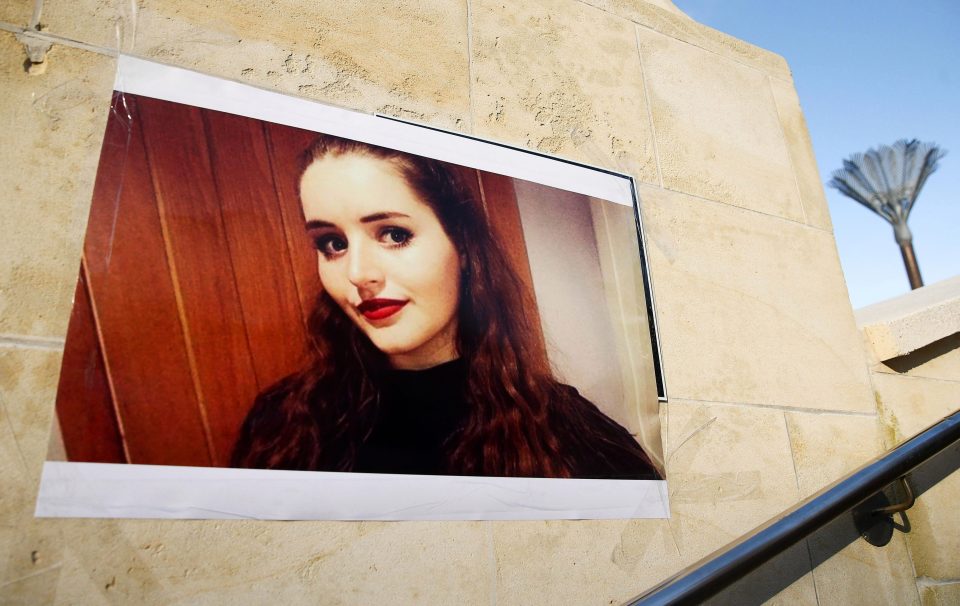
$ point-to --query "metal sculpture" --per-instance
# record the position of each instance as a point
(888, 180)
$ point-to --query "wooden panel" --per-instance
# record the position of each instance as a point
(133, 299)
(285, 145)
(500, 201)
(84, 405)
(198, 248)
(470, 178)
(257, 244)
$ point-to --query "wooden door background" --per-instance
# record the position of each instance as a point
(196, 281)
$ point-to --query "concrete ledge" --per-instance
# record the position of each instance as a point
(904, 324)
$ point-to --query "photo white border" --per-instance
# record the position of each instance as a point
(159, 81)
(108, 490)
(98, 490)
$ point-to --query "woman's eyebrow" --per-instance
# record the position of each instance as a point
(381, 216)
(318, 224)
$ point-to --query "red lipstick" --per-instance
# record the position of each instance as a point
(378, 309)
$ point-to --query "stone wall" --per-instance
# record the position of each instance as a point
(913, 346)
(770, 394)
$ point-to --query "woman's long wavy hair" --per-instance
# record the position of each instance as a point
(521, 421)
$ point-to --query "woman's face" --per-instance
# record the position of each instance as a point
(383, 256)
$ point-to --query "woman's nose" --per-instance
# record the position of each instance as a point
(363, 271)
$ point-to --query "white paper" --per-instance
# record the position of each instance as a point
(104, 490)
(150, 79)
(154, 491)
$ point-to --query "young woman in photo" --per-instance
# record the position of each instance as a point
(423, 358)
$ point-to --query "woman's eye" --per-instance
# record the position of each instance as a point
(395, 236)
(330, 246)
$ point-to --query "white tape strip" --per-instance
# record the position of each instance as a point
(159, 81)
(101, 490)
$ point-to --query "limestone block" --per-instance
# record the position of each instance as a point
(598, 562)
(567, 83)
(800, 148)
(16, 12)
(30, 564)
(164, 562)
(636, 7)
(581, 562)
(717, 128)
(908, 406)
(408, 61)
(825, 448)
(762, 586)
(911, 404)
(729, 470)
(939, 360)
(898, 326)
(940, 594)
(53, 125)
(28, 384)
(751, 308)
(17, 494)
(291, 563)
(664, 17)
(28, 380)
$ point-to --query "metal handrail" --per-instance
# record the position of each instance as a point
(727, 565)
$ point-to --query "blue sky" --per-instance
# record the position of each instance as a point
(869, 73)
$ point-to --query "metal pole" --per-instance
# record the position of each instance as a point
(910, 261)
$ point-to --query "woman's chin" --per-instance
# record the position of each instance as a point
(397, 351)
(394, 341)
(416, 358)
(415, 349)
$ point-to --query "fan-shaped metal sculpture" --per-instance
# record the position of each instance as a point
(887, 180)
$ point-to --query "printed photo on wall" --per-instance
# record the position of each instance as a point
(287, 310)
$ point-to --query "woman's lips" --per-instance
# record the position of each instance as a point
(378, 309)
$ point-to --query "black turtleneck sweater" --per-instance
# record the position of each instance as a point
(419, 418)
(419, 411)
(422, 411)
